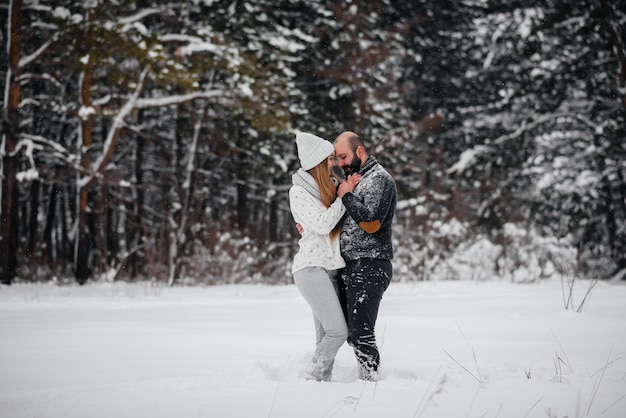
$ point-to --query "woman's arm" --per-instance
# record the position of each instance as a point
(309, 211)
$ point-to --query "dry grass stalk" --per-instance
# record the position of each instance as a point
(280, 378)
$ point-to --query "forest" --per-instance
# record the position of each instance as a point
(155, 140)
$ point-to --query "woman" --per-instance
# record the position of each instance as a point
(314, 205)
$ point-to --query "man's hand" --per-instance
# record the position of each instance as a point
(300, 229)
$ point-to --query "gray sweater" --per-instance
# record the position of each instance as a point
(366, 231)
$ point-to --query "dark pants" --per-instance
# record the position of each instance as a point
(363, 283)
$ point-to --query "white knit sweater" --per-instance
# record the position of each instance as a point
(316, 247)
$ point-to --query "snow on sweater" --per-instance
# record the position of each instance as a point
(366, 231)
(316, 246)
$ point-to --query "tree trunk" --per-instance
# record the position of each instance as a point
(33, 222)
(273, 221)
(65, 250)
(82, 243)
(179, 224)
(620, 51)
(50, 219)
(102, 231)
(134, 223)
(9, 215)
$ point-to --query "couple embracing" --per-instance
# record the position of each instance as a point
(343, 265)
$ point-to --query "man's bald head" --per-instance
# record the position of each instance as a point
(351, 138)
(350, 152)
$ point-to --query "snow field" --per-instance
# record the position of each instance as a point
(449, 349)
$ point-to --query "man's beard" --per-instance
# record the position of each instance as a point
(353, 167)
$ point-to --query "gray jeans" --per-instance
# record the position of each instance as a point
(319, 288)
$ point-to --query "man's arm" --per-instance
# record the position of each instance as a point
(370, 213)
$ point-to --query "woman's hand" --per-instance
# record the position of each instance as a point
(354, 179)
(348, 185)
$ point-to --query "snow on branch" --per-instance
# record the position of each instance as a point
(176, 99)
(133, 103)
(45, 141)
(59, 152)
(539, 121)
(469, 157)
(139, 16)
(178, 37)
(45, 76)
(24, 61)
(113, 134)
(102, 100)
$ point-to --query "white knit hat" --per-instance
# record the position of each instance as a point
(312, 149)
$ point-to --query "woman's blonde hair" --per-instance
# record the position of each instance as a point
(328, 190)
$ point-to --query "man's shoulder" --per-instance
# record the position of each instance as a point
(374, 166)
(379, 168)
(379, 172)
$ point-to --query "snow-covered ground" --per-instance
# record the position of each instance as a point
(449, 349)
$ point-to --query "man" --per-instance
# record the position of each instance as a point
(366, 246)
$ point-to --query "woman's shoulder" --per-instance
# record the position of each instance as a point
(301, 194)
(296, 190)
